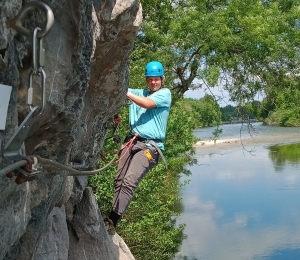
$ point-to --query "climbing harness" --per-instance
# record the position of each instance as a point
(159, 151)
(132, 137)
(128, 145)
(153, 143)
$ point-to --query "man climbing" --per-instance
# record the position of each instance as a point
(148, 117)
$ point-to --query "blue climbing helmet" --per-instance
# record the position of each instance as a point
(154, 69)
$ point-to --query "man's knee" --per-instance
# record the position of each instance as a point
(130, 182)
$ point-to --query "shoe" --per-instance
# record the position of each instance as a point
(109, 225)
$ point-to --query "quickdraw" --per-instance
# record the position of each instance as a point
(13, 146)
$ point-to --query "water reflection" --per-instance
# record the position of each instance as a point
(238, 206)
(283, 155)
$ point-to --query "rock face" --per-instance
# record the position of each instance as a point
(56, 216)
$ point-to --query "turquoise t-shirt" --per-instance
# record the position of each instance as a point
(151, 123)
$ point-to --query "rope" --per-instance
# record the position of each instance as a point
(129, 144)
(12, 167)
(43, 161)
(72, 171)
(70, 168)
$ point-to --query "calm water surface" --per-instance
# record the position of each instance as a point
(243, 198)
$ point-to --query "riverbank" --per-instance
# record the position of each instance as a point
(216, 142)
(245, 132)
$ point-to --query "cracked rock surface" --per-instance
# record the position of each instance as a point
(86, 64)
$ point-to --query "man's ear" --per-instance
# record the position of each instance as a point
(162, 79)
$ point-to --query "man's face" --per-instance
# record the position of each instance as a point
(154, 83)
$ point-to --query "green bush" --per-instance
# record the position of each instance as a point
(148, 227)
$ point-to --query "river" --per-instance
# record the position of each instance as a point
(242, 201)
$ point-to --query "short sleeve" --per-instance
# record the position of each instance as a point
(135, 91)
(162, 97)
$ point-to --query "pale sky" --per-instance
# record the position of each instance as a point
(221, 95)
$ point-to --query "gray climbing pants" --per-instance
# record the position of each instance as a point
(132, 169)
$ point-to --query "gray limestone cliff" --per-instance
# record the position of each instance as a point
(56, 216)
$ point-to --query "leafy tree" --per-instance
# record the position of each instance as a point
(283, 109)
(210, 111)
(264, 108)
(228, 113)
(244, 47)
(205, 111)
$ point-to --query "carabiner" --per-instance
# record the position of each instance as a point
(41, 73)
(34, 51)
(38, 62)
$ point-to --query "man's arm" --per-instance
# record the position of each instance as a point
(144, 102)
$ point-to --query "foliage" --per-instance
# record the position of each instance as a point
(285, 111)
(147, 227)
(246, 47)
(206, 111)
(264, 109)
(229, 113)
(219, 38)
(210, 111)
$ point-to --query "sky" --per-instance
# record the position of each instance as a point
(221, 95)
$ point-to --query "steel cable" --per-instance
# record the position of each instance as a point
(53, 164)
(12, 167)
